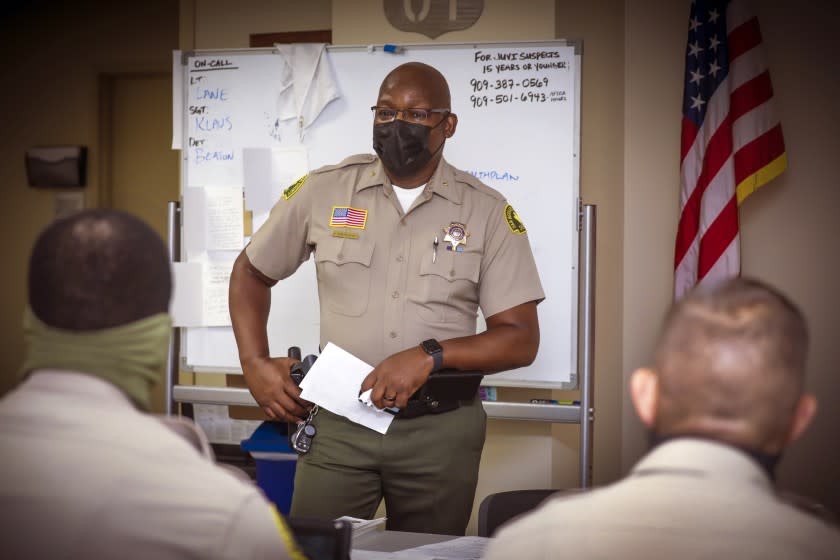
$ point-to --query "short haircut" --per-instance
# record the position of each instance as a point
(98, 269)
(731, 363)
(428, 77)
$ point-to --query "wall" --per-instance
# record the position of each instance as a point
(52, 54)
(220, 25)
(790, 233)
(362, 22)
(654, 50)
(599, 25)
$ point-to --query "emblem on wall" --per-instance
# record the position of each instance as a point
(432, 18)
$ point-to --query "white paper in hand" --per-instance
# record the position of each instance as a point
(333, 383)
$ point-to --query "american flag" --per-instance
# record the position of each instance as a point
(731, 139)
(345, 216)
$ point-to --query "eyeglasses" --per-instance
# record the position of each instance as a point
(414, 115)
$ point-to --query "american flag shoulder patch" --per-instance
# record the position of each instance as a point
(346, 216)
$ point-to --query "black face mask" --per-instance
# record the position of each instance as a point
(403, 147)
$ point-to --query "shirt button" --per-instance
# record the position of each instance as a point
(393, 334)
(395, 295)
(451, 272)
(400, 258)
(341, 256)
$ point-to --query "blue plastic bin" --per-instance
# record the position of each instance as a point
(276, 462)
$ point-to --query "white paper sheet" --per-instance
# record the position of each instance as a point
(268, 172)
(363, 526)
(192, 218)
(372, 555)
(214, 287)
(462, 548)
(224, 222)
(256, 179)
(186, 298)
(287, 166)
(333, 383)
(213, 220)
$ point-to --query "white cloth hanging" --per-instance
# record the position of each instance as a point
(308, 83)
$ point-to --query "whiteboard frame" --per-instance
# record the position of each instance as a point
(494, 381)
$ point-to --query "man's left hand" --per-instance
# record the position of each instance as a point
(398, 377)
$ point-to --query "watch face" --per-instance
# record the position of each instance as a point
(431, 346)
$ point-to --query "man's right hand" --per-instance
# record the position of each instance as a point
(267, 378)
(271, 385)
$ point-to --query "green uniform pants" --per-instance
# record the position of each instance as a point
(426, 469)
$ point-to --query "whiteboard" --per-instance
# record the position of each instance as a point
(518, 131)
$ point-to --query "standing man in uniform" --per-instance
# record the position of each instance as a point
(407, 248)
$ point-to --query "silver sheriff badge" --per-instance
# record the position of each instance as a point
(456, 235)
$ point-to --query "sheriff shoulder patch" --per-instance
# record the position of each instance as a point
(290, 192)
(514, 223)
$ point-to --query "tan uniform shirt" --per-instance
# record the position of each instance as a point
(87, 475)
(382, 284)
(686, 499)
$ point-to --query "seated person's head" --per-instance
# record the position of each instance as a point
(729, 365)
(98, 269)
(99, 289)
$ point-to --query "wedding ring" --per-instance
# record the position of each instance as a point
(391, 398)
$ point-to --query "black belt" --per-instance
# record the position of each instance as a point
(444, 391)
(416, 408)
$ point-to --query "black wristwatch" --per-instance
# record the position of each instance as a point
(433, 348)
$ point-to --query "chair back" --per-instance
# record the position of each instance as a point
(810, 506)
(496, 509)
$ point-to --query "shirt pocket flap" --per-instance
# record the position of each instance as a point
(341, 251)
(453, 266)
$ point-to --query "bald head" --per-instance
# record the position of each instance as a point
(98, 269)
(411, 151)
(420, 79)
(730, 364)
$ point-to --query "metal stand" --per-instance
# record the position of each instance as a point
(587, 398)
(173, 241)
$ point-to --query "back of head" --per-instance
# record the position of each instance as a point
(98, 269)
(99, 287)
(731, 365)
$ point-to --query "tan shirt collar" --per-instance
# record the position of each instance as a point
(442, 181)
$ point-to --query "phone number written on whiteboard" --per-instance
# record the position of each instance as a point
(517, 89)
